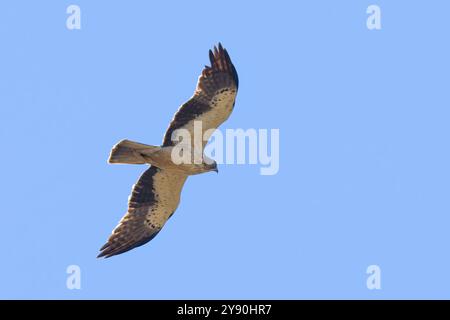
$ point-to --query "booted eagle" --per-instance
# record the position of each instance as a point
(156, 195)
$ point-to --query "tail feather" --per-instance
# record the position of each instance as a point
(130, 152)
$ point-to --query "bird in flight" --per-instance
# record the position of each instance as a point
(156, 194)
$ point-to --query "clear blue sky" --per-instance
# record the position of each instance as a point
(364, 149)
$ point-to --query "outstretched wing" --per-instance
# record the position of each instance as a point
(153, 200)
(213, 99)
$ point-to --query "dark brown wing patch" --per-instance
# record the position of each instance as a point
(143, 193)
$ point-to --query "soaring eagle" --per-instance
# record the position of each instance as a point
(156, 195)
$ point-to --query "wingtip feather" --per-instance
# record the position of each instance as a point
(211, 58)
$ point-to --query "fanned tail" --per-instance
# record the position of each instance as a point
(130, 152)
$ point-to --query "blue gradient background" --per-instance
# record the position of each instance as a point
(364, 149)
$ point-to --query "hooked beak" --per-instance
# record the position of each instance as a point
(216, 170)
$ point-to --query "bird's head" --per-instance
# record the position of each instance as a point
(211, 167)
(205, 167)
(208, 165)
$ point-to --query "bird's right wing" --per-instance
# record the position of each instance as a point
(213, 99)
(153, 200)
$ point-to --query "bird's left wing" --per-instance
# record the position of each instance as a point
(153, 200)
(213, 99)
